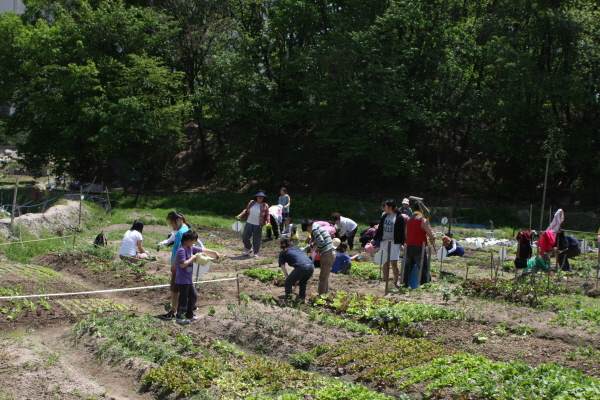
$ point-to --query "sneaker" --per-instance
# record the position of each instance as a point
(194, 318)
(397, 284)
(167, 317)
(247, 252)
(181, 320)
(255, 255)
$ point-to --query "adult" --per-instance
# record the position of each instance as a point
(368, 234)
(177, 222)
(391, 234)
(559, 218)
(257, 216)
(417, 231)
(284, 202)
(131, 247)
(347, 228)
(303, 269)
(328, 227)
(568, 247)
(453, 249)
(406, 209)
(275, 217)
(324, 245)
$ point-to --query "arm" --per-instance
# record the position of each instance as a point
(181, 260)
(453, 247)
(140, 247)
(282, 264)
(214, 253)
(343, 227)
(288, 202)
(170, 240)
(425, 226)
(245, 212)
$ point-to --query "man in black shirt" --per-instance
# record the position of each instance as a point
(303, 268)
(569, 247)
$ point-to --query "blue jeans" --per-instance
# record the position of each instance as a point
(254, 232)
(300, 274)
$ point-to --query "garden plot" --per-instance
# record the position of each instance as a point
(20, 280)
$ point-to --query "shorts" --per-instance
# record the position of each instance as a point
(395, 250)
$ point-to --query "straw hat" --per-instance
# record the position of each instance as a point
(336, 242)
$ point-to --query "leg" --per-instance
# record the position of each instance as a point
(256, 238)
(346, 267)
(289, 283)
(351, 238)
(275, 227)
(174, 290)
(327, 260)
(395, 270)
(192, 298)
(306, 274)
(183, 300)
(246, 236)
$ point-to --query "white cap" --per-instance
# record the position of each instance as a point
(405, 201)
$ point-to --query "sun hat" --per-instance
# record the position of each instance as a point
(336, 242)
(405, 201)
(369, 248)
(261, 194)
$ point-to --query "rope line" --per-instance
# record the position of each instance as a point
(36, 240)
(105, 291)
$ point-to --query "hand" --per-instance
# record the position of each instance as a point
(217, 255)
(238, 217)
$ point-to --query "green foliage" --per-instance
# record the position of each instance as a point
(364, 270)
(381, 313)
(525, 291)
(263, 274)
(344, 323)
(501, 381)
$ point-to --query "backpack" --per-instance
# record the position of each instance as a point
(101, 240)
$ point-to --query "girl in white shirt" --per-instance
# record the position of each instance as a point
(131, 247)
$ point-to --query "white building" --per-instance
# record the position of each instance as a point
(12, 5)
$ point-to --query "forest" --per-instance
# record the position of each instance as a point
(445, 97)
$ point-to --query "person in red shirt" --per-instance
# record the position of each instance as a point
(417, 232)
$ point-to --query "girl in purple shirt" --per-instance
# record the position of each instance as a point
(185, 256)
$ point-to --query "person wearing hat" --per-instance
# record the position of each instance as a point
(257, 216)
(406, 209)
(417, 232)
(343, 262)
(348, 228)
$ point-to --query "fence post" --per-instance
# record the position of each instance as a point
(12, 215)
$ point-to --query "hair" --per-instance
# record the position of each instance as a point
(373, 223)
(284, 190)
(342, 247)
(137, 226)
(287, 219)
(446, 237)
(392, 203)
(307, 223)
(335, 217)
(189, 235)
(285, 243)
(174, 216)
(416, 206)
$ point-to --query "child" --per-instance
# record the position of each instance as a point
(289, 228)
(185, 257)
(452, 247)
(284, 201)
(342, 262)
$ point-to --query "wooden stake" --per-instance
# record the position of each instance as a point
(492, 264)
(544, 196)
(74, 238)
(80, 203)
(237, 276)
(12, 215)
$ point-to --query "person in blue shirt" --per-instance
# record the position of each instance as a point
(303, 268)
(343, 262)
(177, 222)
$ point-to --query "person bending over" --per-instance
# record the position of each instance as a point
(452, 247)
(303, 268)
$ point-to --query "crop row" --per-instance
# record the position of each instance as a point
(87, 306)
(265, 275)
(189, 364)
(402, 363)
(26, 271)
(381, 313)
